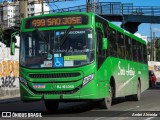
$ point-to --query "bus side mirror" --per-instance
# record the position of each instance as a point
(104, 43)
(12, 48)
(13, 41)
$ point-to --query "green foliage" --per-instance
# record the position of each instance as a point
(1, 32)
(151, 49)
(4, 36)
(158, 54)
(158, 50)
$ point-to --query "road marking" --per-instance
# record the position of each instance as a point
(149, 118)
(132, 108)
(99, 118)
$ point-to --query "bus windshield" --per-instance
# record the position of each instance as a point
(44, 49)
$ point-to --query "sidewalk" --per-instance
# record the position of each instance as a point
(10, 100)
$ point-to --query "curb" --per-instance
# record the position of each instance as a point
(9, 100)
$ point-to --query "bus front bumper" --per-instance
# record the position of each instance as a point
(88, 92)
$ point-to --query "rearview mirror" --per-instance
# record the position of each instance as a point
(13, 41)
(12, 48)
(104, 43)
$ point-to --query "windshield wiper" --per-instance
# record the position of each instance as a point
(66, 35)
(41, 35)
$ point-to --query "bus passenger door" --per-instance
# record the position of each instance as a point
(100, 51)
(100, 60)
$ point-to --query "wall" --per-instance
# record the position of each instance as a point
(155, 66)
(9, 73)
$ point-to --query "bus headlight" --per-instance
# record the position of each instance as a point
(87, 79)
(23, 81)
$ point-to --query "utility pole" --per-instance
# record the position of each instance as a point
(91, 5)
(154, 49)
(151, 44)
(42, 7)
(23, 6)
(88, 6)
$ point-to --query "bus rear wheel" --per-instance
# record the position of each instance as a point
(137, 96)
(51, 106)
(107, 102)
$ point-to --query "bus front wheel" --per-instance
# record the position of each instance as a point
(51, 106)
(107, 102)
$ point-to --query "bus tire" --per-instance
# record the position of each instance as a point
(129, 98)
(51, 106)
(137, 96)
(107, 102)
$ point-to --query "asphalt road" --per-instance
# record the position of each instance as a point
(120, 110)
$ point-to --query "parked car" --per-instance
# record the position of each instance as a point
(152, 79)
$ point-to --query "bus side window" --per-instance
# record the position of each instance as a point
(140, 52)
(142, 60)
(134, 50)
(100, 51)
(121, 47)
(128, 48)
(112, 43)
(145, 54)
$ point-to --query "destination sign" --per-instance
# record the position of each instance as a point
(56, 21)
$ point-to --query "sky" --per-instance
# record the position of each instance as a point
(144, 29)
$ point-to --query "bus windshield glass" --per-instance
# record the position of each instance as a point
(44, 49)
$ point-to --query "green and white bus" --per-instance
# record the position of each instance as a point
(78, 56)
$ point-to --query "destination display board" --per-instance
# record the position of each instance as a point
(50, 21)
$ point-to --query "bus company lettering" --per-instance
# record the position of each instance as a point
(9, 68)
(122, 71)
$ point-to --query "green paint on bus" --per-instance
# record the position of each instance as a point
(80, 66)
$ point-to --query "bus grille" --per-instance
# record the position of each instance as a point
(55, 92)
(55, 75)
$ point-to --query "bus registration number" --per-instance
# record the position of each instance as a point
(64, 86)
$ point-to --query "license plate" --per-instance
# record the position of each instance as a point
(64, 86)
(39, 86)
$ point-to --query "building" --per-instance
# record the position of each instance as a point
(11, 11)
(36, 9)
(1, 13)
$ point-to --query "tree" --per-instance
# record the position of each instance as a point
(1, 33)
(158, 50)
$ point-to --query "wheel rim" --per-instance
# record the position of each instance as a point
(109, 99)
(139, 91)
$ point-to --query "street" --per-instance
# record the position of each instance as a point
(120, 108)
(83, 51)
